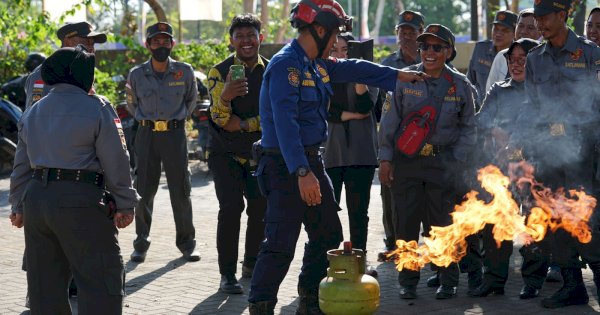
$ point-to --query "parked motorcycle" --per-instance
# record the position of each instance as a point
(10, 115)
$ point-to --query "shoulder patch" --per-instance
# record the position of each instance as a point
(293, 76)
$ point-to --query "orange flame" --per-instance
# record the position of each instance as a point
(447, 244)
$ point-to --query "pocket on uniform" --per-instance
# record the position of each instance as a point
(113, 274)
(308, 94)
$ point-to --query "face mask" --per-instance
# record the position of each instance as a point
(161, 54)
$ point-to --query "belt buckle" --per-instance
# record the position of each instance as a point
(557, 129)
(427, 150)
(160, 125)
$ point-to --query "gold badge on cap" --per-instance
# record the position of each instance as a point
(162, 27)
(433, 29)
(501, 17)
(537, 2)
(408, 17)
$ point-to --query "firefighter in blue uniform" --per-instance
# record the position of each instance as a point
(293, 109)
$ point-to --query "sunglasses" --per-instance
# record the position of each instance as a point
(519, 61)
(436, 47)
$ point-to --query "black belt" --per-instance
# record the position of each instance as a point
(59, 174)
(163, 125)
(310, 151)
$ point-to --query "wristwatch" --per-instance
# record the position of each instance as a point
(302, 171)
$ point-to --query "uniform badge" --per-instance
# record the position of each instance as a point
(36, 97)
(452, 90)
(323, 72)
(408, 17)
(307, 75)
(433, 29)
(577, 54)
(162, 27)
(121, 133)
(537, 2)
(388, 102)
(294, 77)
(38, 84)
(501, 17)
(178, 75)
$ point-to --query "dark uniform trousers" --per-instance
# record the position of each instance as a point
(389, 217)
(571, 172)
(357, 181)
(286, 212)
(170, 148)
(423, 182)
(67, 223)
(234, 181)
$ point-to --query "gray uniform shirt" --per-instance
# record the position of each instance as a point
(152, 98)
(359, 145)
(396, 60)
(69, 129)
(563, 84)
(480, 65)
(455, 126)
(35, 87)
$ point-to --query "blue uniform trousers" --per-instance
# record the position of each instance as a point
(285, 214)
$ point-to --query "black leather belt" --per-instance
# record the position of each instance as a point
(163, 125)
(310, 151)
(59, 174)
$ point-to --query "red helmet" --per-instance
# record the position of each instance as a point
(327, 13)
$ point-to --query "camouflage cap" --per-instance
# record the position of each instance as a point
(411, 18)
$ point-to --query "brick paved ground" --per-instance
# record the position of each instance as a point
(166, 284)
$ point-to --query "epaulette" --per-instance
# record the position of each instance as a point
(102, 99)
(536, 47)
(586, 40)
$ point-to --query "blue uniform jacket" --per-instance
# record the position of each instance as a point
(295, 95)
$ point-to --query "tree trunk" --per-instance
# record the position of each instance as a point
(400, 6)
(284, 15)
(249, 6)
(378, 17)
(491, 8)
(364, 27)
(264, 12)
(158, 10)
(514, 6)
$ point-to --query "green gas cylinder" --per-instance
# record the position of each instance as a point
(347, 290)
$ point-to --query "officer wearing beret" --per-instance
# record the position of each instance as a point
(562, 84)
(424, 182)
(70, 35)
(410, 26)
(235, 126)
(161, 93)
(503, 32)
(497, 122)
(294, 100)
(71, 146)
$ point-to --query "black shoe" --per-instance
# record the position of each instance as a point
(262, 308)
(445, 292)
(553, 274)
(72, 289)
(486, 289)
(138, 256)
(191, 255)
(230, 285)
(309, 302)
(529, 292)
(433, 281)
(572, 292)
(408, 292)
(475, 280)
(247, 271)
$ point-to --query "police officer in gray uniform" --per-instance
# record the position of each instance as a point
(503, 32)
(71, 146)
(70, 35)
(562, 84)
(410, 26)
(161, 93)
(421, 185)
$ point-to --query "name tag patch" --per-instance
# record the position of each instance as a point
(178, 83)
(418, 93)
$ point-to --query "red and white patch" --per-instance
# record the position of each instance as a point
(118, 123)
(38, 84)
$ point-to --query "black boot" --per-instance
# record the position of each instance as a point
(596, 270)
(571, 293)
(262, 308)
(475, 279)
(309, 302)
(433, 281)
(486, 288)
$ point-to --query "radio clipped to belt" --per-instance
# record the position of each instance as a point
(418, 126)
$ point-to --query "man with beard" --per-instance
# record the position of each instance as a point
(562, 84)
(235, 126)
(410, 26)
(503, 32)
(70, 35)
(161, 93)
